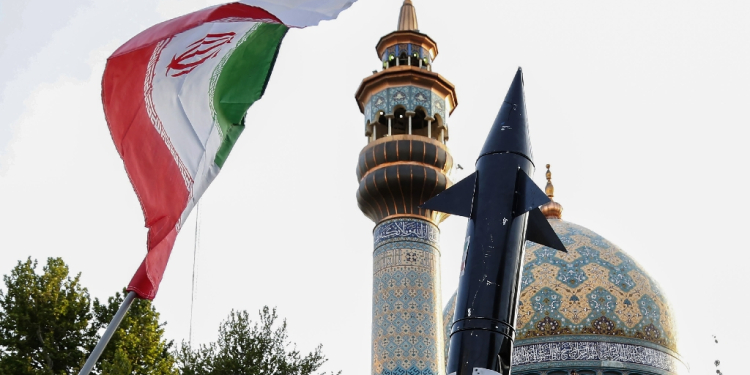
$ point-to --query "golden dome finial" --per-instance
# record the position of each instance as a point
(549, 189)
(552, 209)
(407, 20)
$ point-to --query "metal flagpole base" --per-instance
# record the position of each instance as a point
(111, 328)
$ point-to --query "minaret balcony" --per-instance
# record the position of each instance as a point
(398, 173)
(406, 100)
(407, 55)
(409, 86)
(403, 122)
(407, 43)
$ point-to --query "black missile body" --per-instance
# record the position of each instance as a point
(502, 204)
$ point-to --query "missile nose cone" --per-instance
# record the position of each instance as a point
(510, 132)
(515, 93)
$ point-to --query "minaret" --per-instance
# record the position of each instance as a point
(405, 163)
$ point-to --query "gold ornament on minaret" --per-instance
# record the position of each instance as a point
(407, 20)
(551, 210)
(406, 106)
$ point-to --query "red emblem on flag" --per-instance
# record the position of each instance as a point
(197, 53)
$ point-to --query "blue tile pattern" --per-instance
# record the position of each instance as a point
(412, 371)
(408, 49)
(594, 292)
(596, 351)
(368, 112)
(596, 288)
(406, 229)
(409, 97)
(399, 97)
(448, 312)
(438, 106)
(406, 319)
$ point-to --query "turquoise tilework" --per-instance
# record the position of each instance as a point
(595, 293)
(448, 312)
(438, 106)
(399, 96)
(406, 229)
(558, 354)
(409, 49)
(406, 323)
(598, 289)
(409, 97)
(421, 98)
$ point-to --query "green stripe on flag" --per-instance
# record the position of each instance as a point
(243, 80)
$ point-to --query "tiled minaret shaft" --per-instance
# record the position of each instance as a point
(404, 164)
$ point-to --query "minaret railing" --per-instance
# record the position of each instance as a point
(410, 115)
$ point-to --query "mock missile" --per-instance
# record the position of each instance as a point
(502, 205)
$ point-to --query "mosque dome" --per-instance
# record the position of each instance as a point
(593, 310)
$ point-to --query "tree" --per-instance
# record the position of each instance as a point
(44, 320)
(118, 365)
(137, 346)
(246, 348)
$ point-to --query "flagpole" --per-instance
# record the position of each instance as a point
(111, 328)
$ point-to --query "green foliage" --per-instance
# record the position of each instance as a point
(44, 320)
(47, 327)
(137, 347)
(119, 365)
(244, 348)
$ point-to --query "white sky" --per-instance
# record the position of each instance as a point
(639, 106)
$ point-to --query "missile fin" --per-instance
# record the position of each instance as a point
(456, 200)
(538, 230)
(528, 195)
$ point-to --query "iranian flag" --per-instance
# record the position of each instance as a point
(175, 98)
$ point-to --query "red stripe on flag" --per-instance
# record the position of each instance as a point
(145, 282)
(155, 174)
(152, 170)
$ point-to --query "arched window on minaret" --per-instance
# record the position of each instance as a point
(400, 121)
(414, 60)
(419, 57)
(380, 127)
(419, 122)
(437, 131)
(403, 59)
